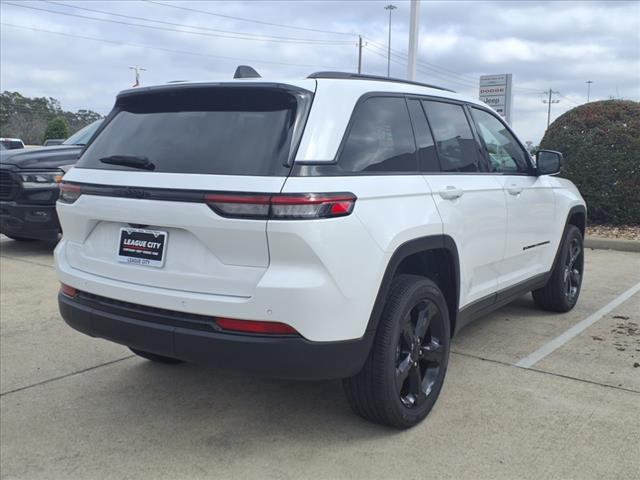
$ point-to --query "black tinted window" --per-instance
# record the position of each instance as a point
(380, 138)
(223, 130)
(12, 144)
(457, 149)
(504, 152)
(427, 156)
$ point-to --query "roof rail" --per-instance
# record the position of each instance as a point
(360, 76)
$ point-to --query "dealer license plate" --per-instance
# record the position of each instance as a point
(142, 247)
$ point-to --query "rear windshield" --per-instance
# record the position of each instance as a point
(213, 130)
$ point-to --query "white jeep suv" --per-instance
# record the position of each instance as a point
(338, 226)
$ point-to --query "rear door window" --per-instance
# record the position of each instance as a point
(212, 130)
(380, 139)
(457, 148)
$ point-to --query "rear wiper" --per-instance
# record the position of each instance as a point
(129, 161)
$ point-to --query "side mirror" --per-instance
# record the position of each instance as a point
(548, 162)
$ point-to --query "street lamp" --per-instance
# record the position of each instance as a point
(391, 8)
(137, 69)
(588, 82)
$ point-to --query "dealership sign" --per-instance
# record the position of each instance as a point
(495, 91)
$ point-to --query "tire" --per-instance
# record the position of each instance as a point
(384, 391)
(154, 357)
(562, 290)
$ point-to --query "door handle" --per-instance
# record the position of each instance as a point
(514, 190)
(451, 193)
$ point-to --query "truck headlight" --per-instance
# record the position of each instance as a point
(41, 179)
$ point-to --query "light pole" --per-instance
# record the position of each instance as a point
(137, 69)
(588, 82)
(414, 31)
(391, 8)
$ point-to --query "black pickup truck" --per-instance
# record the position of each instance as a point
(29, 186)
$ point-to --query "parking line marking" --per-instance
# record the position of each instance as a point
(552, 345)
(545, 372)
(66, 375)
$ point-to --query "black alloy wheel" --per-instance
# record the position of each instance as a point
(419, 353)
(404, 373)
(574, 263)
(562, 290)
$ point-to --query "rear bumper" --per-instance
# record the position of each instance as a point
(188, 337)
(29, 221)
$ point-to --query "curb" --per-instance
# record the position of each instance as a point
(599, 243)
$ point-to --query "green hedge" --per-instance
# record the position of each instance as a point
(600, 142)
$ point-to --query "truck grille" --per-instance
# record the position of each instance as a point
(8, 186)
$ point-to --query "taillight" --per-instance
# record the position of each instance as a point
(69, 192)
(68, 291)
(251, 326)
(238, 205)
(312, 205)
(295, 206)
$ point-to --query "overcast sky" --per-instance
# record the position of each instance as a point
(557, 45)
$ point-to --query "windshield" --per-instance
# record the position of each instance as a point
(214, 130)
(82, 136)
(12, 144)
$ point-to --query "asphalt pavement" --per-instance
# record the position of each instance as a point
(76, 407)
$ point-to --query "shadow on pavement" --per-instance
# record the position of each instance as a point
(25, 248)
(221, 410)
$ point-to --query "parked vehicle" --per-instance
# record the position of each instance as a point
(53, 141)
(29, 186)
(338, 226)
(11, 143)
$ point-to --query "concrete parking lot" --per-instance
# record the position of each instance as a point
(76, 407)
